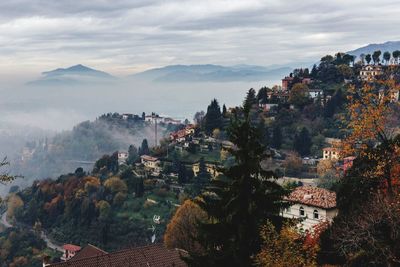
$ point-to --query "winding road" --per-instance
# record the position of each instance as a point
(43, 235)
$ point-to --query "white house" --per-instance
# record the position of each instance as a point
(122, 157)
(69, 251)
(314, 93)
(369, 72)
(312, 204)
(331, 153)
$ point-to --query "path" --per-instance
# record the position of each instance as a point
(43, 235)
(4, 221)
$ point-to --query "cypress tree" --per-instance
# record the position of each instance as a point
(302, 142)
(276, 137)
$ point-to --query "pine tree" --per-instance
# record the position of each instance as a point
(224, 111)
(239, 205)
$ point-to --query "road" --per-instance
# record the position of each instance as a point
(4, 221)
(43, 235)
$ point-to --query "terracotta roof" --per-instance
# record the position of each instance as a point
(148, 158)
(149, 256)
(313, 196)
(88, 251)
(71, 247)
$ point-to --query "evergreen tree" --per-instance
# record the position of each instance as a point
(224, 111)
(144, 148)
(143, 116)
(250, 101)
(262, 95)
(238, 205)
(213, 119)
(182, 174)
(276, 137)
(132, 154)
(302, 142)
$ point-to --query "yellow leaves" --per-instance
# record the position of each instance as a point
(285, 248)
(14, 202)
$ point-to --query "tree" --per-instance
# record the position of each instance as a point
(396, 55)
(5, 177)
(324, 166)
(368, 58)
(198, 117)
(238, 205)
(144, 148)
(224, 111)
(143, 116)
(369, 125)
(133, 154)
(287, 247)
(182, 174)
(250, 100)
(299, 95)
(362, 58)
(376, 56)
(213, 117)
(302, 142)
(386, 57)
(276, 137)
(292, 164)
(115, 184)
(182, 229)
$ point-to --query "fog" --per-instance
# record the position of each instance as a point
(35, 112)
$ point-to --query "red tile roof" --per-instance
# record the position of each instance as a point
(313, 196)
(88, 251)
(149, 256)
(71, 247)
(148, 158)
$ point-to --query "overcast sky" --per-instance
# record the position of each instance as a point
(127, 36)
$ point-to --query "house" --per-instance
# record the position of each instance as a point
(168, 120)
(369, 72)
(127, 116)
(122, 157)
(331, 153)
(286, 82)
(155, 255)
(315, 93)
(69, 251)
(311, 204)
(212, 169)
(151, 164)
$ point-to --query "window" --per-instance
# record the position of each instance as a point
(301, 211)
(316, 215)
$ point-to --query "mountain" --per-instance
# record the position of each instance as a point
(369, 49)
(77, 74)
(212, 73)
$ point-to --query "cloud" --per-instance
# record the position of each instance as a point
(125, 36)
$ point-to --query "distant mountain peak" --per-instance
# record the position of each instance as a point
(389, 46)
(76, 74)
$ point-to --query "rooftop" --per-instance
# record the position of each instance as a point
(153, 255)
(313, 196)
(71, 247)
(148, 158)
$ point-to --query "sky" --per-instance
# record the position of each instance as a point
(127, 36)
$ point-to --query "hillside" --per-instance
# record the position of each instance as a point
(369, 49)
(211, 73)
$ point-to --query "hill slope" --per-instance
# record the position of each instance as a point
(211, 73)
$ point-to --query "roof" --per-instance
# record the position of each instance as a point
(153, 255)
(148, 158)
(330, 149)
(88, 251)
(313, 196)
(71, 247)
